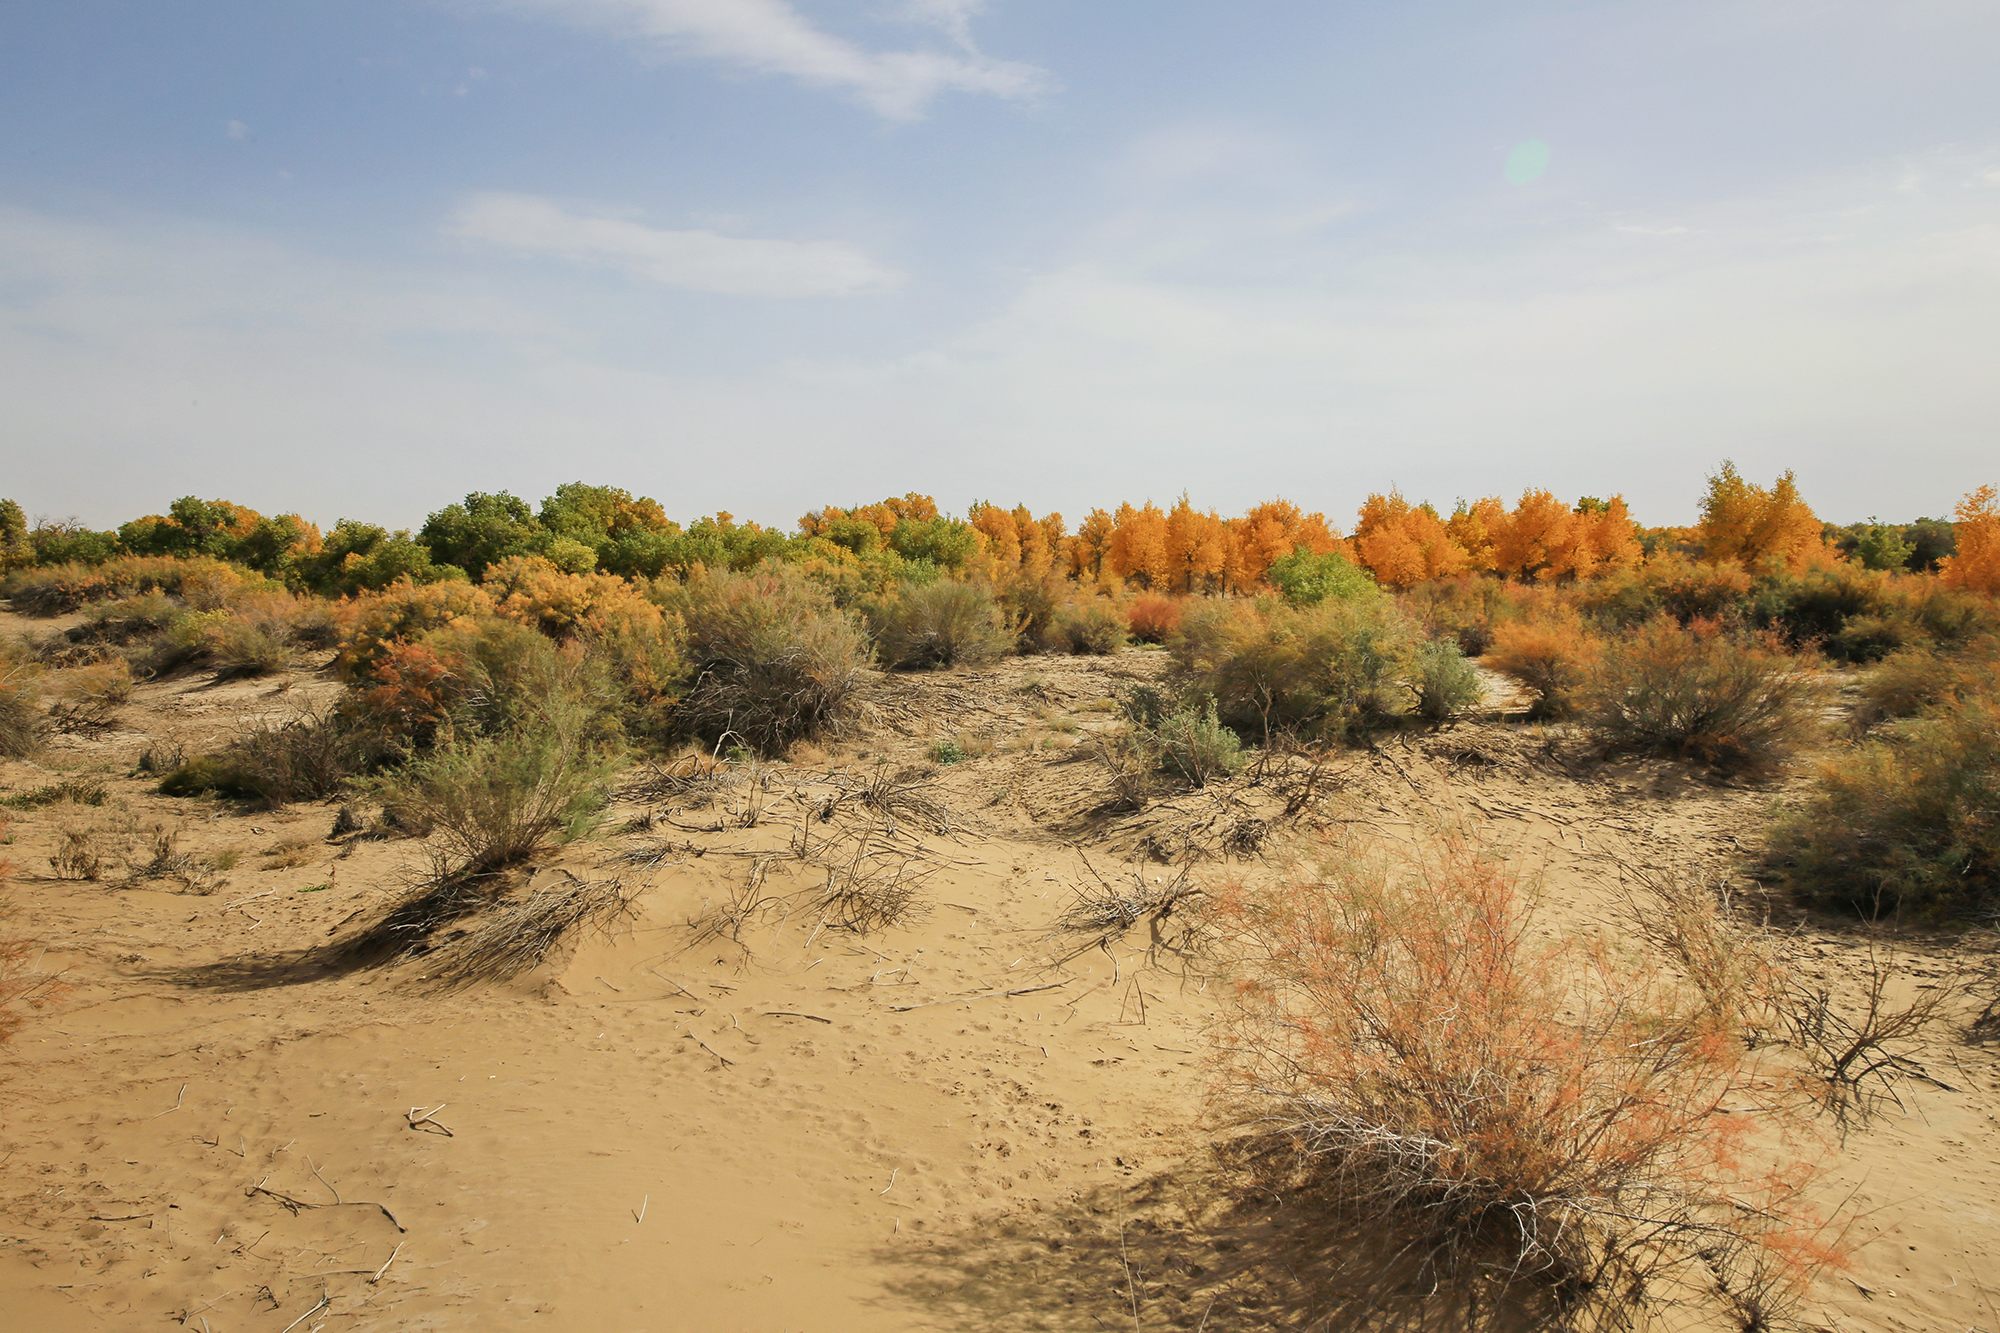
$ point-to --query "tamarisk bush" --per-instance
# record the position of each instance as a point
(1494, 1118)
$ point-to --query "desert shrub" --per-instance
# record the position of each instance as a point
(770, 660)
(1131, 762)
(1737, 702)
(1672, 585)
(494, 800)
(1029, 608)
(310, 757)
(1553, 657)
(404, 612)
(1490, 1116)
(1814, 607)
(1194, 743)
(1905, 822)
(1906, 683)
(1442, 681)
(21, 723)
(54, 590)
(1093, 628)
(1331, 669)
(944, 624)
(1153, 617)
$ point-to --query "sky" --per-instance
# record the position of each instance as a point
(357, 260)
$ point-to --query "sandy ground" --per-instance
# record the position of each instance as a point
(759, 1122)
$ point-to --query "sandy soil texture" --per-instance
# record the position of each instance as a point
(738, 1108)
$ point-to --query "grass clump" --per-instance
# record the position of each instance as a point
(310, 757)
(938, 625)
(1090, 629)
(21, 722)
(1737, 702)
(1494, 1120)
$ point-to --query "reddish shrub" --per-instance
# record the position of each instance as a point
(1153, 617)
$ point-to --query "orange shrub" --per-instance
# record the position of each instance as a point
(404, 611)
(1553, 657)
(1152, 617)
(1479, 1105)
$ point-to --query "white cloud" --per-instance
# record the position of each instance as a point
(235, 129)
(771, 37)
(699, 261)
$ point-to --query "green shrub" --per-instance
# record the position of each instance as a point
(1906, 822)
(1331, 670)
(938, 625)
(1442, 681)
(1305, 579)
(1738, 702)
(1195, 744)
(495, 800)
(771, 660)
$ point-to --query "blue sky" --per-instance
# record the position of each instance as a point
(761, 255)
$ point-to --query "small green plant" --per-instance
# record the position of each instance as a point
(75, 791)
(946, 751)
(1194, 744)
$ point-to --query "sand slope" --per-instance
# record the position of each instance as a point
(962, 1122)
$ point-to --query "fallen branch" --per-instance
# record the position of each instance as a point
(984, 995)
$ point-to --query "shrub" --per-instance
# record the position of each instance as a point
(1153, 617)
(1193, 743)
(940, 625)
(1442, 681)
(1089, 628)
(1553, 657)
(1331, 669)
(1907, 682)
(1736, 702)
(1306, 579)
(307, 758)
(770, 660)
(21, 722)
(404, 612)
(495, 800)
(1484, 1113)
(55, 590)
(1908, 822)
(1029, 608)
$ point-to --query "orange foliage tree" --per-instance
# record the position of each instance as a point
(1745, 524)
(1402, 544)
(1139, 546)
(1976, 566)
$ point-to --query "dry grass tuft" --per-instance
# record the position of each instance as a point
(516, 937)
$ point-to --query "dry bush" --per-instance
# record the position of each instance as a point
(1689, 918)
(1131, 760)
(1094, 628)
(1860, 1053)
(310, 757)
(1490, 1116)
(493, 801)
(938, 625)
(1905, 823)
(78, 855)
(516, 937)
(1908, 682)
(771, 661)
(21, 722)
(169, 862)
(1153, 617)
(1109, 909)
(868, 892)
(1553, 657)
(293, 852)
(1739, 703)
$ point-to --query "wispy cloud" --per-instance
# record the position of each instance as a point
(699, 261)
(771, 37)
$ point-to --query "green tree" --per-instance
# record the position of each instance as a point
(481, 531)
